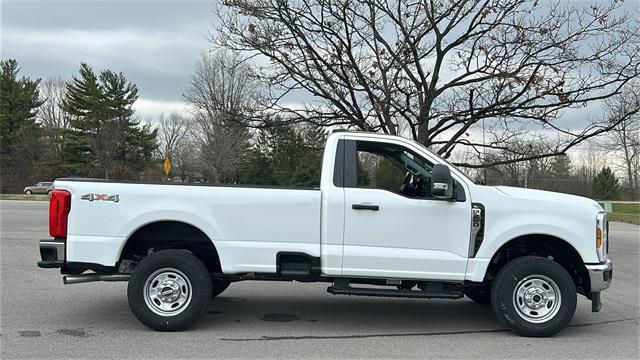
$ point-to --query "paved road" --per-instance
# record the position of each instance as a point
(41, 318)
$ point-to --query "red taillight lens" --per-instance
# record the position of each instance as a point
(59, 206)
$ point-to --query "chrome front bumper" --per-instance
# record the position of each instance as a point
(600, 275)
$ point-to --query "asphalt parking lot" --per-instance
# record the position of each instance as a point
(42, 318)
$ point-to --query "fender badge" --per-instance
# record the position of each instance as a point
(101, 197)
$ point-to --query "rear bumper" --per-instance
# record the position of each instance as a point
(52, 254)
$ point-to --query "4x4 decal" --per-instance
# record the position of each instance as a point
(101, 197)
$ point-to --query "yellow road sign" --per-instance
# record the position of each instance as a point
(167, 166)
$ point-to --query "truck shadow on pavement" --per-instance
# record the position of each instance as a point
(326, 317)
(320, 316)
(353, 313)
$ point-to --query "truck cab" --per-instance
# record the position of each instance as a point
(388, 213)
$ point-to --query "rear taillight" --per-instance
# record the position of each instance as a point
(59, 206)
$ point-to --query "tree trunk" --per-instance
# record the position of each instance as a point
(423, 134)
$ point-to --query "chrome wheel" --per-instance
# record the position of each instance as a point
(167, 292)
(537, 298)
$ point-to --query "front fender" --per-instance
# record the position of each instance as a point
(503, 229)
(488, 249)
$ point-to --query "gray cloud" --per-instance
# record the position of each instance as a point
(155, 43)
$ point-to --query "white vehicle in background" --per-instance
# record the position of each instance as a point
(388, 213)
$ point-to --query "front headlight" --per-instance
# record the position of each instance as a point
(602, 236)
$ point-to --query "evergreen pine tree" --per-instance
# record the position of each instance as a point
(101, 110)
(561, 167)
(605, 185)
(388, 175)
(285, 154)
(309, 161)
(19, 132)
(85, 104)
(561, 174)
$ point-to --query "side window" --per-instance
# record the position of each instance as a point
(377, 171)
(393, 168)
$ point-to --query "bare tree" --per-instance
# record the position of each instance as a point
(435, 70)
(185, 158)
(591, 160)
(625, 136)
(53, 119)
(221, 92)
(221, 148)
(172, 131)
(176, 143)
(50, 114)
(503, 170)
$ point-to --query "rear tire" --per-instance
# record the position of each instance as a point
(28, 192)
(169, 290)
(534, 296)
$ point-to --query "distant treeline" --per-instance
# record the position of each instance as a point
(87, 127)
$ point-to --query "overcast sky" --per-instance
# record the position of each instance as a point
(155, 43)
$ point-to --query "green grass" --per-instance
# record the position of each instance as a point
(625, 212)
(627, 218)
(24, 197)
(627, 208)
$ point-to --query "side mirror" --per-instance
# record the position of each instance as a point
(441, 182)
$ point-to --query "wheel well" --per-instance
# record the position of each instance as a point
(546, 246)
(163, 235)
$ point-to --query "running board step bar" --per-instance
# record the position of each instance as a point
(401, 293)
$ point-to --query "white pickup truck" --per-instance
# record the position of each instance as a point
(390, 219)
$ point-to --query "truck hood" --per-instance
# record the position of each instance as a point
(530, 194)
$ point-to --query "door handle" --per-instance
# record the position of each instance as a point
(365, 207)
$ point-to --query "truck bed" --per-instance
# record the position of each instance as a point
(243, 222)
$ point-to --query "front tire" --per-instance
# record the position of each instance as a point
(169, 290)
(534, 296)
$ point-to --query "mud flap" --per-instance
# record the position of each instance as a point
(596, 304)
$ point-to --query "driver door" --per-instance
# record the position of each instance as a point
(393, 227)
